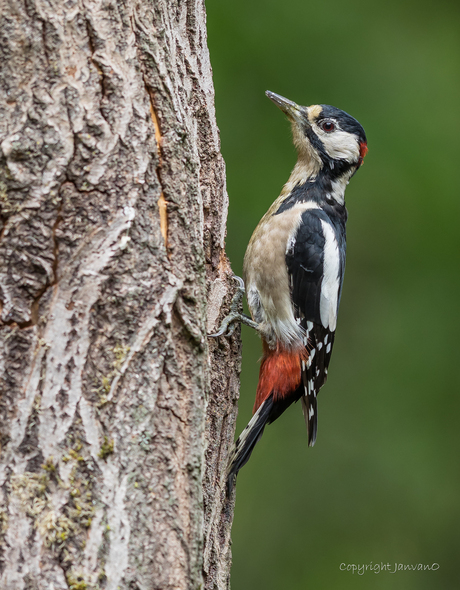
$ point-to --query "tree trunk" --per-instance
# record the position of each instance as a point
(116, 411)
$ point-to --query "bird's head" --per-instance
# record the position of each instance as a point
(325, 136)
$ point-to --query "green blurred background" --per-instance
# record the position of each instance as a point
(382, 483)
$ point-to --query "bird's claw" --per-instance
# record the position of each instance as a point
(231, 318)
(235, 315)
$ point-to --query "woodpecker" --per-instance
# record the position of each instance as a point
(294, 267)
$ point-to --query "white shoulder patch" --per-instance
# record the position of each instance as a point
(330, 284)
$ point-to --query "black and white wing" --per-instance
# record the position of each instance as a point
(315, 259)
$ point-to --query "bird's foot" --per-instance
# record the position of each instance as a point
(235, 315)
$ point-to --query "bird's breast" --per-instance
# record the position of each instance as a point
(266, 275)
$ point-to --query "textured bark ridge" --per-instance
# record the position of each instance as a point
(116, 413)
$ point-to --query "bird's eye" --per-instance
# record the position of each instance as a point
(327, 126)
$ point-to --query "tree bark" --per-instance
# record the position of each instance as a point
(116, 412)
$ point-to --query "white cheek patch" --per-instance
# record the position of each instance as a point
(330, 284)
(339, 145)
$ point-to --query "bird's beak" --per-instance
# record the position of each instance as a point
(295, 112)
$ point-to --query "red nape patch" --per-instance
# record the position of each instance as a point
(280, 373)
(362, 151)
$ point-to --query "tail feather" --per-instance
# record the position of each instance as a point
(267, 413)
(247, 441)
